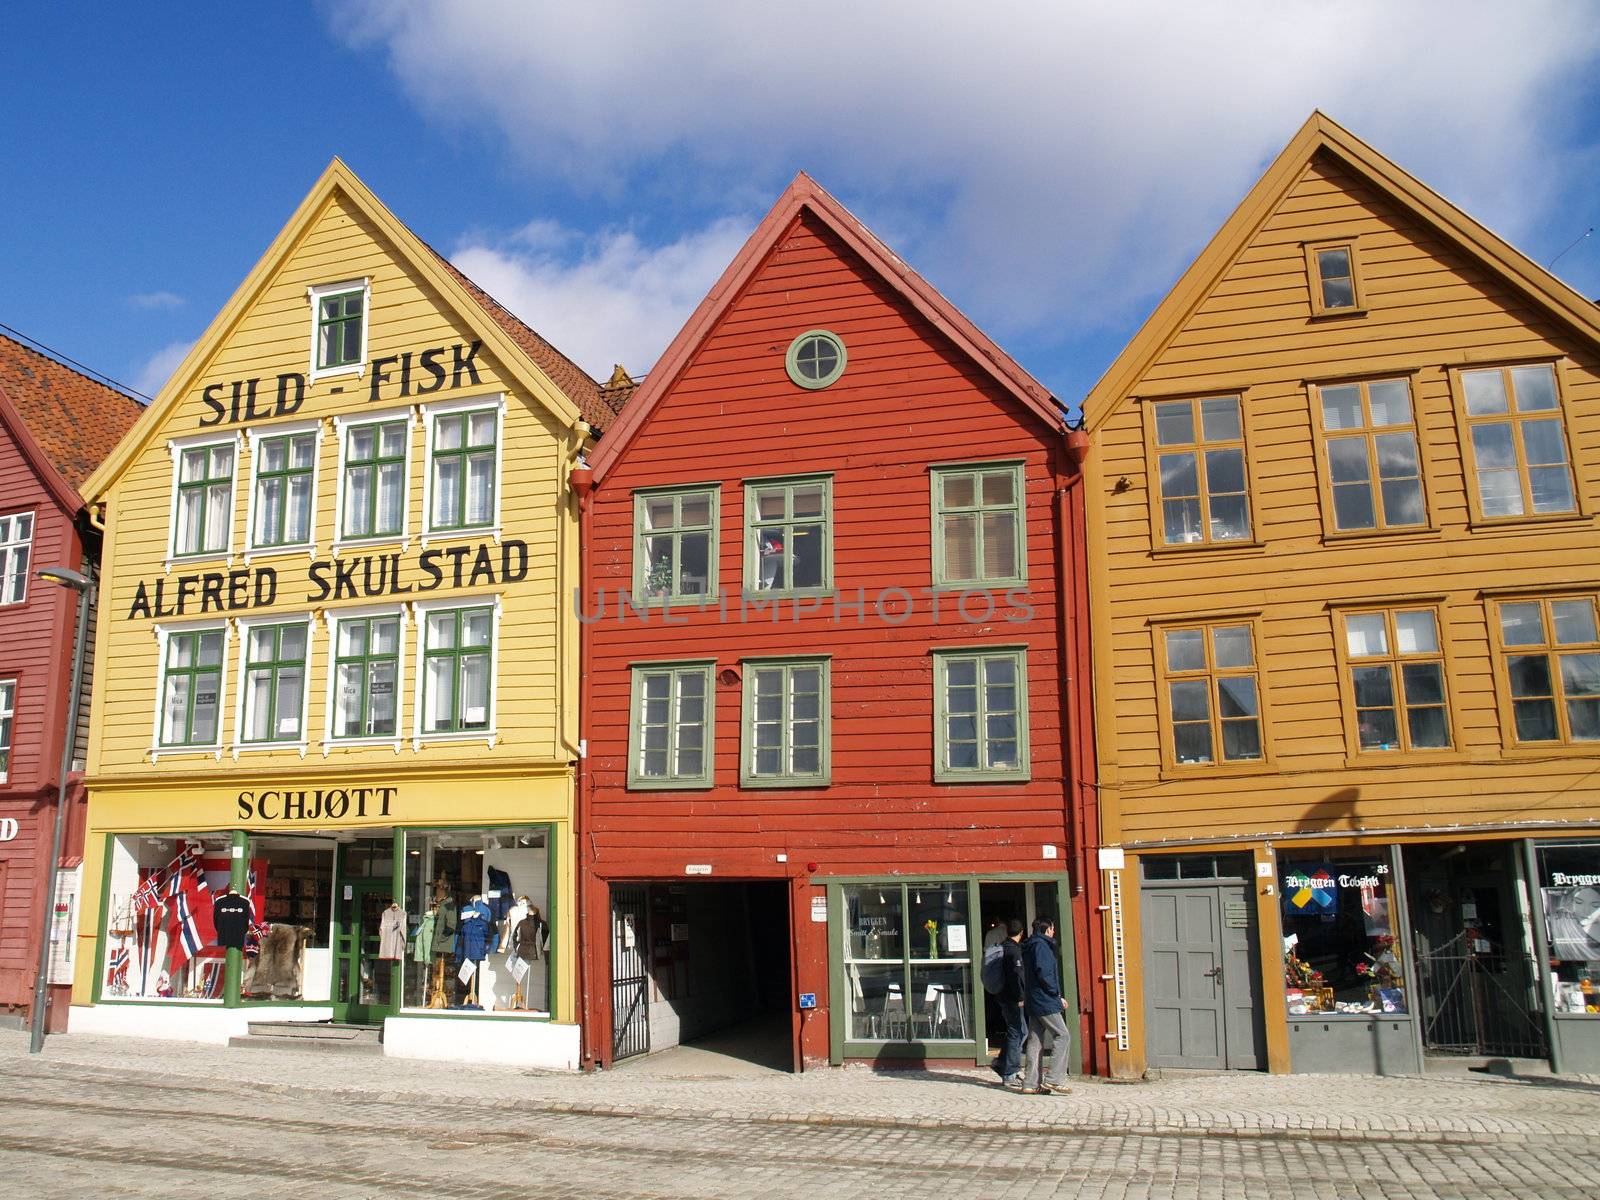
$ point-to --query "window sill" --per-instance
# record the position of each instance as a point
(798, 785)
(318, 374)
(466, 534)
(1336, 314)
(669, 785)
(157, 753)
(266, 747)
(945, 586)
(488, 736)
(331, 744)
(959, 777)
(280, 551)
(1380, 759)
(220, 557)
(1536, 521)
(372, 543)
(657, 600)
(1203, 771)
(1537, 750)
(1252, 545)
(1409, 533)
(789, 594)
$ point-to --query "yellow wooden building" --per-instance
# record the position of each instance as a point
(1344, 555)
(337, 665)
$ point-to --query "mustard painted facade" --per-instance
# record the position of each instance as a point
(1342, 512)
(338, 658)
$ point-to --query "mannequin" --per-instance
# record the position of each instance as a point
(474, 940)
(392, 932)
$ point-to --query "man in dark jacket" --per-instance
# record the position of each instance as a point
(1009, 1001)
(1043, 1005)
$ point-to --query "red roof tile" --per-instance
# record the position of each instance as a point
(76, 421)
(563, 372)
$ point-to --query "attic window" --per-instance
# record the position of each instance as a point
(816, 358)
(1335, 278)
(339, 328)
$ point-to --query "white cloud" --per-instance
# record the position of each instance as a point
(152, 375)
(1052, 166)
(150, 301)
(607, 298)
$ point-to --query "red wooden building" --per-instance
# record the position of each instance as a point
(55, 427)
(834, 724)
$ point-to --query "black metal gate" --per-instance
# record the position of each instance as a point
(630, 982)
(1477, 1004)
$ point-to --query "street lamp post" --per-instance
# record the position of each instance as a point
(84, 586)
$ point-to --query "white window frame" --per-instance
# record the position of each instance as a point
(175, 448)
(420, 611)
(5, 557)
(9, 709)
(342, 424)
(315, 294)
(495, 400)
(242, 700)
(162, 633)
(252, 437)
(332, 617)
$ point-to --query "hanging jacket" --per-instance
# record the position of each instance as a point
(499, 905)
(423, 950)
(476, 932)
(529, 938)
(444, 928)
(392, 932)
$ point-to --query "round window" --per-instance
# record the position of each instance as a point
(815, 359)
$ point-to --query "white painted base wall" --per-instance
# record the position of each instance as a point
(186, 1023)
(511, 1043)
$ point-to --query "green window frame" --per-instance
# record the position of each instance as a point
(785, 723)
(457, 670)
(8, 712)
(815, 359)
(669, 745)
(979, 510)
(671, 525)
(203, 506)
(373, 472)
(274, 683)
(285, 490)
(341, 328)
(360, 666)
(191, 661)
(779, 515)
(980, 709)
(464, 456)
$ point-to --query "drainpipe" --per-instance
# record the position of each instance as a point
(581, 478)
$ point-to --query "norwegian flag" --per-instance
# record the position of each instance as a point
(117, 969)
(190, 928)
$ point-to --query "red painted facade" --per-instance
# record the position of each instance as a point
(42, 458)
(922, 388)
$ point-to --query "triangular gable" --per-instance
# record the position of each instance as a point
(805, 195)
(338, 179)
(33, 453)
(1321, 133)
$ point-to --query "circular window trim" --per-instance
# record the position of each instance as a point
(791, 365)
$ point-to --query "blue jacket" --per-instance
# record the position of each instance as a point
(473, 940)
(1042, 994)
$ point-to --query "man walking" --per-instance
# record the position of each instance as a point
(1009, 1001)
(1043, 1005)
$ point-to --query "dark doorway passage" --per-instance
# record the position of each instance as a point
(713, 964)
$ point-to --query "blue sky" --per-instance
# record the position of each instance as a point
(1051, 170)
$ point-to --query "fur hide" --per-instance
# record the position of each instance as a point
(276, 971)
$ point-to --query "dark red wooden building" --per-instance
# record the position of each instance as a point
(835, 721)
(55, 427)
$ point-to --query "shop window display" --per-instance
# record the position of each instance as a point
(1340, 950)
(476, 912)
(163, 940)
(287, 954)
(1569, 885)
(908, 962)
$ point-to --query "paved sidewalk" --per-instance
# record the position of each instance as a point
(1449, 1109)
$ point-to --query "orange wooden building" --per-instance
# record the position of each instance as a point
(832, 733)
(1343, 545)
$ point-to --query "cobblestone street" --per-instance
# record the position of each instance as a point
(98, 1116)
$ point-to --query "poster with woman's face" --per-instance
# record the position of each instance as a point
(1572, 918)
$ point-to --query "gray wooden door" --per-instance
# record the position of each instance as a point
(1201, 982)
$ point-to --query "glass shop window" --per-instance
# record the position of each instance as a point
(1569, 886)
(161, 937)
(1340, 950)
(287, 947)
(908, 962)
(477, 905)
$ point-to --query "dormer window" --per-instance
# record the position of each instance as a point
(339, 328)
(1335, 278)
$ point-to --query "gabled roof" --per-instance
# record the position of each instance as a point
(805, 195)
(547, 375)
(1322, 134)
(63, 420)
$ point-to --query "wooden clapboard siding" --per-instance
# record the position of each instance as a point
(343, 240)
(907, 401)
(1432, 303)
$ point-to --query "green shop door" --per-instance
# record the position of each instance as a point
(363, 983)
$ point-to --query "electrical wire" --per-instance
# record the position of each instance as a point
(98, 376)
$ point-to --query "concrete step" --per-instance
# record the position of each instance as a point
(321, 1031)
(257, 1041)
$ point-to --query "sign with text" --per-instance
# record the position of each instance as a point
(316, 804)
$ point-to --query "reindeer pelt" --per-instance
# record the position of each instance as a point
(276, 971)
